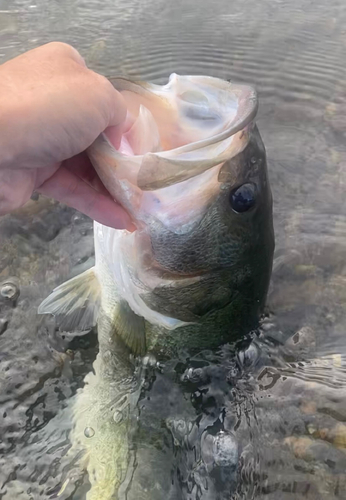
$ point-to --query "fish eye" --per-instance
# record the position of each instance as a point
(243, 198)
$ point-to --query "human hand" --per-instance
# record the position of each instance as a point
(52, 107)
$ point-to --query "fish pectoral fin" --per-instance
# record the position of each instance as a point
(75, 303)
(131, 328)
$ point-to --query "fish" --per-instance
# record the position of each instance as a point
(191, 171)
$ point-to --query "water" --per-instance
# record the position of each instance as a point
(262, 420)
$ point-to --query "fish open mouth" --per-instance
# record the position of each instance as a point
(174, 132)
(187, 113)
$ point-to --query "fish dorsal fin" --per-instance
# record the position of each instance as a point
(75, 303)
(131, 328)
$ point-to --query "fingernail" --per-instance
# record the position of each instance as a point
(114, 134)
(131, 228)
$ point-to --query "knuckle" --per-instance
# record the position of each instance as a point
(103, 83)
(103, 94)
(64, 49)
(60, 47)
(113, 102)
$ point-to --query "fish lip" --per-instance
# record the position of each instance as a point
(248, 101)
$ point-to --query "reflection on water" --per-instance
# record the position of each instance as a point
(263, 419)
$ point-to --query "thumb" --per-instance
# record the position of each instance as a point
(117, 108)
(114, 134)
(117, 113)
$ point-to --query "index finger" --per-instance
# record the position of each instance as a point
(70, 189)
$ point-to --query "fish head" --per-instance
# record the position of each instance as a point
(191, 170)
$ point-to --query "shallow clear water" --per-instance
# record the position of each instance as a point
(266, 419)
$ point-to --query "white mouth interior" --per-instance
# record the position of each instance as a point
(174, 115)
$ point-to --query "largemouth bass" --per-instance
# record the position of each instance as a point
(191, 171)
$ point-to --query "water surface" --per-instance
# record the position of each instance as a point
(277, 404)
